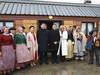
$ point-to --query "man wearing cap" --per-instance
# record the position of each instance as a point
(94, 49)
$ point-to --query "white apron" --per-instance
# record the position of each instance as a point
(63, 44)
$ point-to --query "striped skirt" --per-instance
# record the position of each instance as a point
(22, 54)
(7, 60)
(79, 47)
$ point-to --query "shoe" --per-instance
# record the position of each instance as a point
(98, 65)
(32, 65)
(4, 73)
(41, 63)
(46, 63)
(76, 58)
(1, 73)
(9, 73)
(82, 58)
(90, 63)
(56, 61)
(62, 60)
(53, 62)
(18, 68)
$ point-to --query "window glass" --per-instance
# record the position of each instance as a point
(1, 25)
(57, 23)
(87, 27)
(9, 24)
(90, 27)
(83, 29)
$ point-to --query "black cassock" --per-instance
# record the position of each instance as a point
(42, 38)
(53, 36)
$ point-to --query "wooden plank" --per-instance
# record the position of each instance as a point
(28, 23)
(78, 23)
(18, 23)
(99, 25)
(66, 22)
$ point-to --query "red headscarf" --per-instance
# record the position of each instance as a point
(4, 28)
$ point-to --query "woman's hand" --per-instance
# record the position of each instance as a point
(29, 49)
(61, 36)
(0, 54)
(14, 50)
(96, 38)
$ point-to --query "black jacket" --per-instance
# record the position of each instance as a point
(70, 36)
(42, 38)
(53, 36)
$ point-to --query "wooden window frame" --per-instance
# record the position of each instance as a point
(87, 26)
(4, 22)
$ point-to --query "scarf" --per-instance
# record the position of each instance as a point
(36, 57)
(34, 36)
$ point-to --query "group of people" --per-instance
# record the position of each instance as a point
(18, 49)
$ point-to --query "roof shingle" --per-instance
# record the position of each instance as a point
(49, 8)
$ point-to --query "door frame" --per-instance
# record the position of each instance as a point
(61, 22)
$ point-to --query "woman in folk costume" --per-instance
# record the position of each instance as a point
(23, 55)
(32, 44)
(70, 43)
(7, 52)
(24, 33)
(80, 42)
(63, 51)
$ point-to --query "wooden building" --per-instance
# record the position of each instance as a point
(27, 13)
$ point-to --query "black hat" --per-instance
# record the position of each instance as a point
(13, 28)
(23, 27)
(94, 30)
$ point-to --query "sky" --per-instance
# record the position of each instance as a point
(75, 1)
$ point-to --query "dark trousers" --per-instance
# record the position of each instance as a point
(54, 56)
(43, 57)
(62, 58)
(96, 53)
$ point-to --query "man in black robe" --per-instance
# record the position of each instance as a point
(42, 38)
(54, 38)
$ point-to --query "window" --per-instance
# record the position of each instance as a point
(1, 25)
(57, 23)
(9, 24)
(87, 27)
(83, 29)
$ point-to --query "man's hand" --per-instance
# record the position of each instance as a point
(55, 42)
